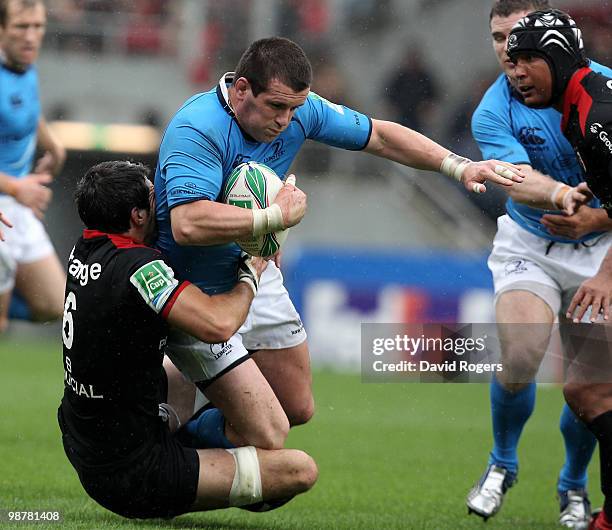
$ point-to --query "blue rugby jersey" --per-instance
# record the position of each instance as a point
(19, 116)
(505, 129)
(203, 144)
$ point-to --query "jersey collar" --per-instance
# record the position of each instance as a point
(119, 240)
(223, 95)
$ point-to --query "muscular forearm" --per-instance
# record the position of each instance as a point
(211, 318)
(210, 223)
(536, 190)
(400, 144)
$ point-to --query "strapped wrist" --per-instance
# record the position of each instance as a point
(268, 220)
(453, 166)
(558, 194)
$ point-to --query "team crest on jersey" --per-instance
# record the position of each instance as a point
(277, 152)
(155, 282)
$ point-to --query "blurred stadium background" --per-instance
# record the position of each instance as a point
(380, 243)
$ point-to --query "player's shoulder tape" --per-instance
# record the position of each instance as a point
(155, 282)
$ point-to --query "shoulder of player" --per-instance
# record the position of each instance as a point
(496, 99)
(202, 114)
(598, 86)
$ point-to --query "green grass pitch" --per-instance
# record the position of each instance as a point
(389, 455)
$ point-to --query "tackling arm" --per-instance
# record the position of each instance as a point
(211, 318)
(216, 318)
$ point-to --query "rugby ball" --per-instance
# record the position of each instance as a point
(255, 186)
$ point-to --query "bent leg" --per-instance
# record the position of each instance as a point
(181, 392)
(42, 284)
(288, 372)
(279, 474)
(252, 412)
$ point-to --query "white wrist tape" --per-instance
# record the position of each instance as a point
(560, 191)
(268, 220)
(453, 166)
(246, 486)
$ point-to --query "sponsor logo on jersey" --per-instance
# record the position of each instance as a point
(597, 130)
(515, 267)
(563, 162)
(277, 152)
(155, 282)
(528, 136)
(609, 84)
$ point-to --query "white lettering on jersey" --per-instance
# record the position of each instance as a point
(82, 272)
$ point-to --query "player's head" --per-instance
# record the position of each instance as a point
(22, 28)
(271, 81)
(503, 16)
(113, 195)
(547, 48)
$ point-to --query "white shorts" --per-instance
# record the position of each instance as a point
(521, 260)
(272, 324)
(26, 242)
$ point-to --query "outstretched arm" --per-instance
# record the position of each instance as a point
(410, 148)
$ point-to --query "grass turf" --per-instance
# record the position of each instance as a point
(389, 456)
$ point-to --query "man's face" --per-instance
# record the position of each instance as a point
(269, 113)
(533, 80)
(21, 37)
(500, 29)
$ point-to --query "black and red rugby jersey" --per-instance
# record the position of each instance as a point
(118, 294)
(587, 124)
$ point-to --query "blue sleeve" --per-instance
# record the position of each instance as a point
(192, 163)
(493, 133)
(333, 124)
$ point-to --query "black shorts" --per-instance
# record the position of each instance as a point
(161, 483)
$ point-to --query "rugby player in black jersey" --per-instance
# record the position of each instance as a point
(551, 70)
(121, 298)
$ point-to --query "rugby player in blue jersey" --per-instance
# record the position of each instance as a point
(539, 260)
(263, 112)
(33, 265)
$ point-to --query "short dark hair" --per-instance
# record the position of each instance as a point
(107, 193)
(505, 8)
(274, 58)
(25, 3)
